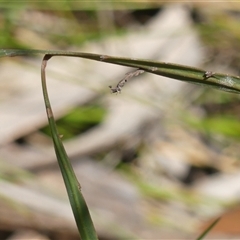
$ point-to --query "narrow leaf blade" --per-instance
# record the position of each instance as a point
(202, 235)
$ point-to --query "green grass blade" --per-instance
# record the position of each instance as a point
(78, 204)
(180, 72)
(208, 229)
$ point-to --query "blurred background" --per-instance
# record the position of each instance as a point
(158, 161)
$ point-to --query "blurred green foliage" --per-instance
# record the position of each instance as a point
(78, 120)
(32, 26)
(59, 24)
(220, 33)
(225, 125)
(80, 5)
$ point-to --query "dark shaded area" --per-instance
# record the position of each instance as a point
(231, 107)
(21, 141)
(5, 234)
(122, 18)
(142, 16)
(196, 173)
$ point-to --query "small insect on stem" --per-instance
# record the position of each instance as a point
(122, 82)
(208, 74)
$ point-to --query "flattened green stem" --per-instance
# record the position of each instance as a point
(180, 72)
(78, 204)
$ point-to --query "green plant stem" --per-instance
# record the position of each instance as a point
(209, 228)
(78, 204)
(180, 72)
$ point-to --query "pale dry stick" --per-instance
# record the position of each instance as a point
(128, 75)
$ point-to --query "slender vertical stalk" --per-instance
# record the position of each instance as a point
(78, 204)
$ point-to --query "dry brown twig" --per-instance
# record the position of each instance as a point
(122, 82)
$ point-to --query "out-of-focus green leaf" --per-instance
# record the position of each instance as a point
(78, 120)
(224, 125)
(82, 5)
